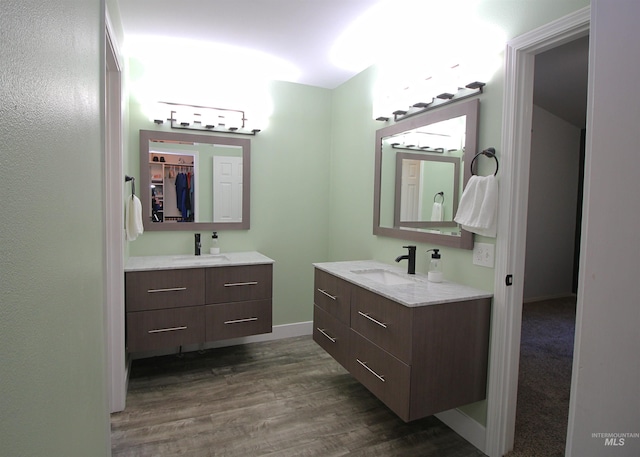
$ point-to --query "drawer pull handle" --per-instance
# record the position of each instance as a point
(372, 319)
(327, 294)
(238, 321)
(170, 289)
(333, 340)
(171, 329)
(236, 284)
(364, 364)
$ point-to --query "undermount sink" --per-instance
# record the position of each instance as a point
(383, 277)
(199, 260)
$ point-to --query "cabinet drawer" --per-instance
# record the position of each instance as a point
(233, 320)
(382, 321)
(331, 334)
(241, 283)
(384, 375)
(147, 330)
(161, 289)
(333, 295)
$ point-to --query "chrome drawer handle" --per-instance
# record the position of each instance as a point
(238, 321)
(327, 294)
(333, 340)
(171, 289)
(235, 284)
(364, 364)
(372, 319)
(171, 329)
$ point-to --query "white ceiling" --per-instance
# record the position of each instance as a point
(302, 32)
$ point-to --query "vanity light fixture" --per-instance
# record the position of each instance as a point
(205, 118)
(469, 90)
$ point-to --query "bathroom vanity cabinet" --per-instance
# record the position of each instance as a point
(420, 347)
(181, 300)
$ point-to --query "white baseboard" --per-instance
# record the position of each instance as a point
(464, 426)
(278, 332)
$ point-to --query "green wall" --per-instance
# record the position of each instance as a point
(52, 331)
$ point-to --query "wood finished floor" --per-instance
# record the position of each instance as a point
(281, 398)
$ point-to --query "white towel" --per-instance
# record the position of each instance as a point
(133, 218)
(478, 208)
(436, 212)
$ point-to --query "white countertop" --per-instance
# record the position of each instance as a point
(224, 259)
(418, 292)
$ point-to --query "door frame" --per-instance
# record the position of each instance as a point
(113, 244)
(512, 221)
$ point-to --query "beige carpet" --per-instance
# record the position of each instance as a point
(546, 357)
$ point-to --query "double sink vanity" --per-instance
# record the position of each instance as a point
(420, 347)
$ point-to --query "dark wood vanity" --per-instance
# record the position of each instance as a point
(418, 360)
(171, 307)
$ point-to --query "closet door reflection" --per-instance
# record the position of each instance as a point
(173, 188)
(227, 189)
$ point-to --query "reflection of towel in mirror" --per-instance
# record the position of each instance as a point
(478, 208)
(436, 212)
(133, 218)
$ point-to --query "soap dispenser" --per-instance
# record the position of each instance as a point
(215, 246)
(434, 274)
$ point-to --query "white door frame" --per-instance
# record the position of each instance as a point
(114, 224)
(512, 221)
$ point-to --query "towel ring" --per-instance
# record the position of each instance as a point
(489, 152)
(133, 184)
(436, 195)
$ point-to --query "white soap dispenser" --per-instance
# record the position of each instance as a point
(215, 246)
(434, 273)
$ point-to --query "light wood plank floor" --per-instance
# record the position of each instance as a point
(281, 398)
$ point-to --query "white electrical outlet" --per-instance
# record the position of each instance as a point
(483, 254)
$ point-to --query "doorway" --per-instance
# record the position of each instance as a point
(552, 248)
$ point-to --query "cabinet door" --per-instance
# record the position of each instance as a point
(161, 289)
(238, 283)
(148, 330)
(385, 376)
(382, 321)
(233, 320)
(333, 295)
(331, 334)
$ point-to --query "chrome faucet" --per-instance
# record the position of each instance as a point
(411, 257)
(198, 245)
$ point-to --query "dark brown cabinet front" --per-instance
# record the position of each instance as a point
(241, 283)
(161, 289)
(171, 308)
(233, 320)
(418, 361)
(149, 330)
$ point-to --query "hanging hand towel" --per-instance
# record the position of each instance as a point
(133, 218)
(436, 212)
(478, 208)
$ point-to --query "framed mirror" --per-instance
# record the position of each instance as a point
(194, 181)
(421, 168)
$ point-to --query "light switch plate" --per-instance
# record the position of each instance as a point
(483, 254)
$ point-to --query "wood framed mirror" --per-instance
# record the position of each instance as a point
(417, 161)
(194, 182)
